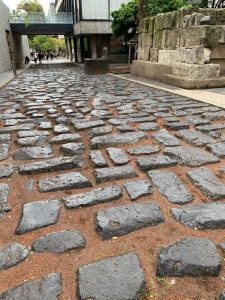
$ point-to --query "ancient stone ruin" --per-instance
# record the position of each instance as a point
(185, 48)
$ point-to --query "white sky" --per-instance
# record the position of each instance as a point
(13, 3)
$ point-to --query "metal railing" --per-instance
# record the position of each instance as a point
(40, 18)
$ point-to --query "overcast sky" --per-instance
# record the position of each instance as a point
(13, 3)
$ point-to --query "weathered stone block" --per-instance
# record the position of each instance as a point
(196, 71)
(198, 55)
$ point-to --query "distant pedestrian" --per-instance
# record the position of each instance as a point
(27, 60)
(40, 57)
(51, 55)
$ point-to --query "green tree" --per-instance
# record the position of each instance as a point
(30, 6)
(44, 43)
(125, 20)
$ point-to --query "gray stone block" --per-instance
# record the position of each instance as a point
(170, 185)
(138, 188)
(164, 137)
(12, 254)
(201, 216)
(121, 220)
(96, 196)
(46, 288)
(155, 162)
(208, 183)
(59, 242)
(63, 182)
(114, 173)
(113, 278)
(94, 66)
(118, 156)
(38, 214)
(191, 257)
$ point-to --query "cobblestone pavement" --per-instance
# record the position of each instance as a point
(109, 190)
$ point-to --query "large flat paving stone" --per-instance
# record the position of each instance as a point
(32, 141)
(121, 220)
(111, 140)
(12, 254)
(46, 288)
(96, 196)
(72, 149)
(66, 138)
(38, 214)
(191, 257)
(164, 137)
(100, 131)
(10, 129)
(138, 188)
(53, 164)
(190, 156)
(113, 278)
(143, 150)
(4, 193)
(67, 181)
(201, 216)
(118, 156)
(97, 158)
(195, 137)
(83, 125)
(33, 153)
(170, 185)
(208, 183)
(218, 149)
(146, 163)
(59, 242)
(6, 170)
(4, 151)
(114, 173)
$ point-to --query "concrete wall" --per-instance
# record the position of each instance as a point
(20, 43)
(5, 63)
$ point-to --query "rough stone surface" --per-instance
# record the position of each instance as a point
(38, 214)
(138, 188)
(218, 149)
(114, 173)
(113, 278)
(170, 185)
(33, 152)
(195, 137)
(54, 164)
(143, 150)
(6, 170)
(59, 242)
(118, 156)
(72, 149)
(190, 256)
(155, 162)
(63, 182)
(164, 137)
(208, 183)
(202, 216)
(121, 220)
(4, 193)
(93, 197)
(190, 156)
(111, 140)
(66, 138)
(97, 158)
(46, 288)
(12, 254)
(88, 124)
(4, 151)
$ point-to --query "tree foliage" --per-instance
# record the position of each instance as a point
(30, 6)
(44, 43)
(154, 7)
(125, 18)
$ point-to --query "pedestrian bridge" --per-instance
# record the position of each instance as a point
(38, 23)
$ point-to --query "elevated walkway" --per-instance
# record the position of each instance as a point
(37, 23)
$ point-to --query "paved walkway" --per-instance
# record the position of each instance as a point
(109, 190)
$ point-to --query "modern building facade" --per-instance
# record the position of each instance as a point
(13, 47)
(92, 26)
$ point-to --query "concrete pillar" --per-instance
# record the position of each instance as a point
(67, 50)
(82, 49)
(75, 49)
(93, 40)
(70, 49)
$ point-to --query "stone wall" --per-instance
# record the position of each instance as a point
(190, 40)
